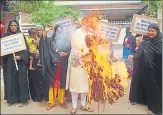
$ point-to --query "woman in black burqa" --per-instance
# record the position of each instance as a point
(48, 69)
(136, 89)
(146, 85)
(15, 81)
(50, 53)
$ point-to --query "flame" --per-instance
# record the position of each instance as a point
(107, 79)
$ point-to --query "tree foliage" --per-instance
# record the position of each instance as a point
(43, 12)
(153, 5)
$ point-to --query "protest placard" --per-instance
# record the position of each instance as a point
(109, 31)
(66, 23)
(140, 23)
(12, 44)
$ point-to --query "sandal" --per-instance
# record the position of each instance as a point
(88, 109)
(64, 106)
(73, 111)
(50, 106)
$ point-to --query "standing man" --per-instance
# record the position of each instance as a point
(77, 76)
(39, 31)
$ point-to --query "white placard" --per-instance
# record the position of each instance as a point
(66, 23)
(109, 31)
(140, 23)
(12, 44)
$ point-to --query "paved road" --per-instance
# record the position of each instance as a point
(121, 107)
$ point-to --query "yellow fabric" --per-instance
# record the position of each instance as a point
(53, 95)
(32, 46)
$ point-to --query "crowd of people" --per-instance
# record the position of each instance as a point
(47, 70)
(43, 69)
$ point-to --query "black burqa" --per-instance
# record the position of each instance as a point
(48, 67)
(136, 88)
(61, 43)
(49, 56)
(15, 82)
(37, 83)
(151, 71)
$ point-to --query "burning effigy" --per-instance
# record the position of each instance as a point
(107, 78)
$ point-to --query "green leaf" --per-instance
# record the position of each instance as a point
(153, 5)
(44, 12)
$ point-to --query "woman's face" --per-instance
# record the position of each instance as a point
(13, 27)
(152, 33)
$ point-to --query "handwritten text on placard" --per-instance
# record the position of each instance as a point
(109, 31)
(66, 23)
(140, 23)
(12, 44)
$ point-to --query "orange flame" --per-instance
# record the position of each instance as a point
(108, 79)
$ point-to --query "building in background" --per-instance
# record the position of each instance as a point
(116, 12)
(119, 12)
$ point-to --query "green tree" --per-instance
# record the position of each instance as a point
(44, 12)
(153, 5)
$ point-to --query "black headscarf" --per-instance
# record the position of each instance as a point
(156, 27)
(55, 31)
(154, 44)
(9, 32)
(25, 53)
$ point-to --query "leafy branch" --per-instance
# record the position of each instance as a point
(44, 12)
(153, 6)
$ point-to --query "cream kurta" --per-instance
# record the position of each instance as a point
(77, 77)
(77, 80)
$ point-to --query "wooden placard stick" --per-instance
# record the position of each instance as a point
(16, 64)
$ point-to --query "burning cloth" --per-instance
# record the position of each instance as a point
(107, 79)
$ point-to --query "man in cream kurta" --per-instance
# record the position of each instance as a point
(77, 76)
